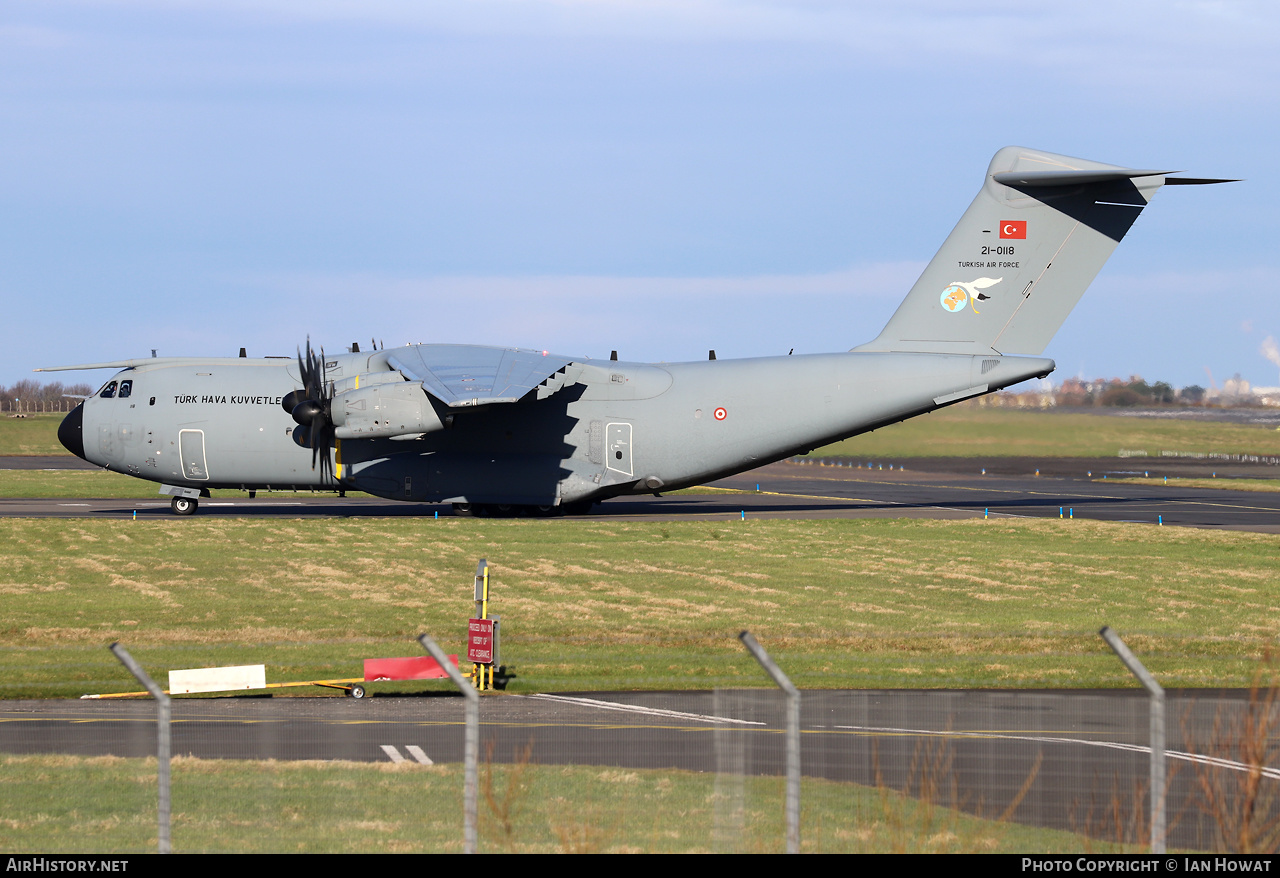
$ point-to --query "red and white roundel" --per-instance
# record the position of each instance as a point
(721, 414)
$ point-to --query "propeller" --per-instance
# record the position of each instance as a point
(311, 407)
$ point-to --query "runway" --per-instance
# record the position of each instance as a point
(1062, 759)
(941, 488)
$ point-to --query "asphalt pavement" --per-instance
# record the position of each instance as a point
(1071, 759)
(941, 488)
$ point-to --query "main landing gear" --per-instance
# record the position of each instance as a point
(184, 505)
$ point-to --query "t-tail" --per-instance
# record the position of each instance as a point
(1022, 255)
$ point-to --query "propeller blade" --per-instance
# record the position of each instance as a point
(311, 408)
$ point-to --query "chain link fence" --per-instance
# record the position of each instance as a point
(880, 771)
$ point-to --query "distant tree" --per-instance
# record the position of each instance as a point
(1121, 396)
(32, 396)
(1162, 393)
(1140, 387)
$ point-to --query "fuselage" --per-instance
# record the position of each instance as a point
(617, 428)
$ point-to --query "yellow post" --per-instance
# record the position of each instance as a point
(484, 614)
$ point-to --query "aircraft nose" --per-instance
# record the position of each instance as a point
(71, 432)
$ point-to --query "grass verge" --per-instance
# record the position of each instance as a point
(1263, 485)
(33, 434)
(973, 431)
(639, 605)
(67, 804)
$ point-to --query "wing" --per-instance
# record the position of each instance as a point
(470, 375)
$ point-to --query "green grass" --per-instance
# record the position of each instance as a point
(56, 483)
(106, 805)
(1221, 484)
(34, 434)
(639, 605)
(977, 431)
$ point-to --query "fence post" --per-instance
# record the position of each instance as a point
(470, 745)
(1157, 733)
(162, 735)
(793, 737)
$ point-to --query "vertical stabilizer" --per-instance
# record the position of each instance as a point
(1024, 252)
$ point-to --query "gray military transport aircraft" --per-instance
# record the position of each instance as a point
(502, 431)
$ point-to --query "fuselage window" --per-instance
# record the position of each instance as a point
(109, 391)
(126, 389)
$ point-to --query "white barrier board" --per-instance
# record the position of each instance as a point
(194, 680)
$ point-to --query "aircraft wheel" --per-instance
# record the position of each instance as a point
(356, 692)
(544, 511)
(183, 505)
(463, 509)
(505, 510)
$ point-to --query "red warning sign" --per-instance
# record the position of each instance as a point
(480, 641)
(1013, 229)
(721, 414)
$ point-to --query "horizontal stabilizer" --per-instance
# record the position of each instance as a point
(1021, 179)
(1195, 181)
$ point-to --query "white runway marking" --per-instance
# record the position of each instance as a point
(416, 752)
(648, 711)
(412, 749)
(1216, 762)
(253, 503)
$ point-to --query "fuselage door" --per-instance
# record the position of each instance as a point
(191, 450)
(618, 448)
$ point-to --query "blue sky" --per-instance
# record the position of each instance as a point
(659, 178)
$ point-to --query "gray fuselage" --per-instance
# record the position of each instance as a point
(618, 428)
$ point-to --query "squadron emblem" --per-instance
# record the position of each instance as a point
(957, 294)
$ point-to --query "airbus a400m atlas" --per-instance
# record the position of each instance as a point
(504, 431)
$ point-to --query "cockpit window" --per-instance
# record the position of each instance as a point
(126, 389)
(109, 391)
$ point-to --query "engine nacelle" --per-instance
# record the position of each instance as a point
(384, 411)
